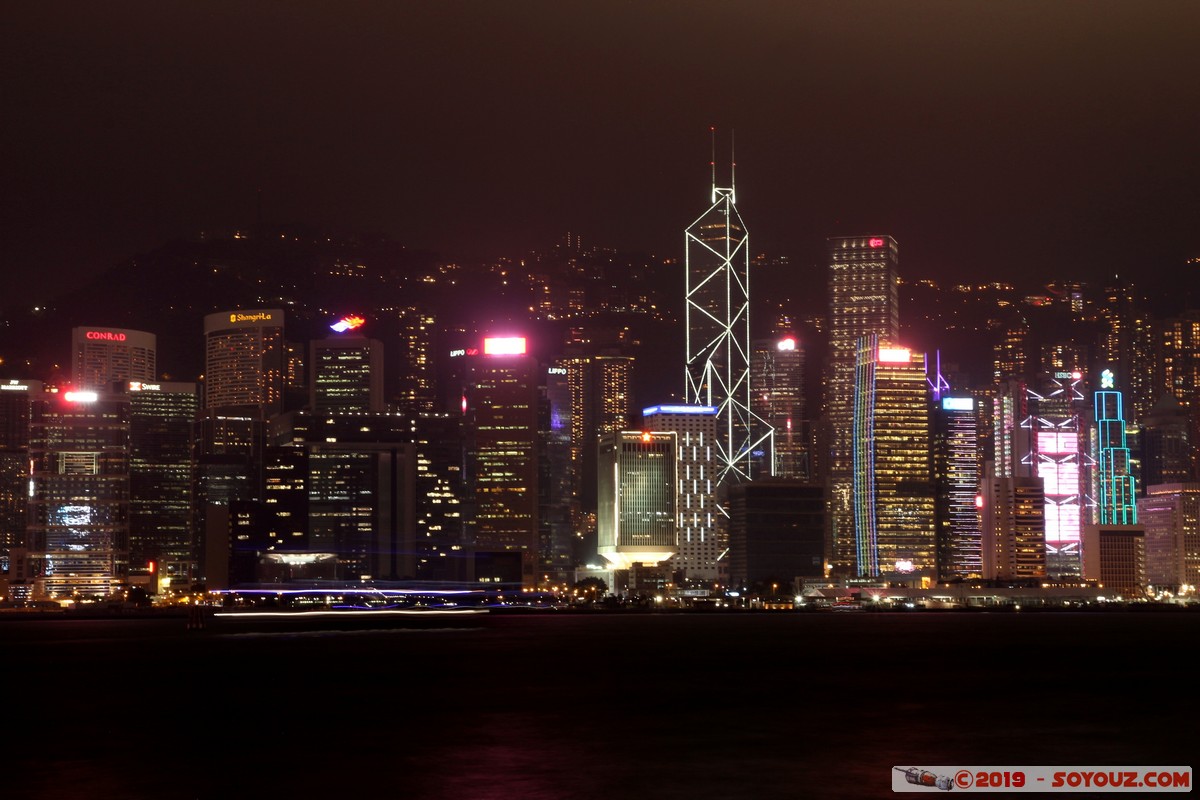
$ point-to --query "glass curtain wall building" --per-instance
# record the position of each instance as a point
(636, 517)
(893, 472)
(863, 300)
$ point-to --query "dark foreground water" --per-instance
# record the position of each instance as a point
(605, 706)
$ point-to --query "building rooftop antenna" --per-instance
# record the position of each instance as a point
(712, 163)
(732, 166)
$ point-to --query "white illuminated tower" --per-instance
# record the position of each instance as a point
(718, 334)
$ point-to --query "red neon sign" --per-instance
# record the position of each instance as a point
(107, 336)
(875, 241)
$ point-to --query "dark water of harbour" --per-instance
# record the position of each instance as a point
(664, 706)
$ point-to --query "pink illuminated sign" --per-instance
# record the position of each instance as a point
(105, 336)
(504, 346)
(786, 344)
(875, 241)
(895, 355)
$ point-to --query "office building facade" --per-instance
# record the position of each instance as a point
(702, 540)
(777, 373)
(892, 486)
(102, 357)
(637, 512)
(162, 429)
(863, 300)
(1170, 516)
(957, 473)
(347, 375)
(244, 361)
(78, 510)
(1012, 514)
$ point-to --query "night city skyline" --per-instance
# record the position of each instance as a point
(1017, 140)
(404, 400)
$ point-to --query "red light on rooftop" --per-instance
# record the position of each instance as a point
(875, 241)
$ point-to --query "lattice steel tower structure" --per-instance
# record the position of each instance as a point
(718, 335)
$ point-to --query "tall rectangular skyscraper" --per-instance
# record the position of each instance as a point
(1012, 513)
(892, 459)
(79, 490)
(244, 361)
(957, 471)
(16, 404)
(1115, 495)
(162, 427)
(501, 405)
(777, 373)
(103, 356)
(863, 300)
(636, 516)
(701, 537)
(347, 375)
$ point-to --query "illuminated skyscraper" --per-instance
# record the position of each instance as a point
(1126, 343)
(16, 404)
(1115, 495)
(956, 475)
(414, 361)
(162, 428)
(777, 369)
(1170, 515)
(1009, 358)
(79, 490)
(347, 374)
(1167, 452)
(1052, 444)
(101, 357)
(1012, 512)
(244, 361)
(863, 300)
(1179, 349)
(347, 484)
(699, 533)
(717, 322)
(893, 471)
(501, 402)
(636, 518)
(601, 397)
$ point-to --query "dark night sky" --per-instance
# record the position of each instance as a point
(1021, 139)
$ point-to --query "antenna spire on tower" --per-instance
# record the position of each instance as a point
(733, 164)
(712, 163)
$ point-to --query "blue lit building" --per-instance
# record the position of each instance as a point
(1116, 497)
(957, 472)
